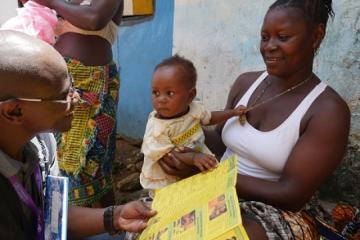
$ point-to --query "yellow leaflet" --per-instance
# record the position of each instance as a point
(202, 207)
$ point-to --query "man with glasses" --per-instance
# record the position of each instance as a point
(36, 96)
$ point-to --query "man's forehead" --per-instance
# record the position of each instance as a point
(31, 66)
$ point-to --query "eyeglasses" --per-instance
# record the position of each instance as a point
(71, 98)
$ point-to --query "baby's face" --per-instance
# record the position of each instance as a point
(171, 95)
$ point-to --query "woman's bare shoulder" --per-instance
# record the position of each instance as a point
(331, 101)
(330, 111)
(241, 85)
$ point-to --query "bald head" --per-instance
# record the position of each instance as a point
(29, 67)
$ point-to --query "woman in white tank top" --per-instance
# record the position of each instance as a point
(295, 131)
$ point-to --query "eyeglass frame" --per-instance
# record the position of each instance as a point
(71, 91)
(67, 101)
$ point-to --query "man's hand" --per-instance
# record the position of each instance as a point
(133, 216)
(204, 162)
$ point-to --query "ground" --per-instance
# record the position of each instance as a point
(127, 168)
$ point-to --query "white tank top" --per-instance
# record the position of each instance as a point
(264, 154)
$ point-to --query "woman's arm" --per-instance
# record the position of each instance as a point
(88, 17)
(317, 153)
(174, 163)
(118, 16)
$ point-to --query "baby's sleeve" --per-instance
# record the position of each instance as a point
(205, 115)
(155, 148)
(156, 142)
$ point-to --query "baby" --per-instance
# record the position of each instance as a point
(176, 122)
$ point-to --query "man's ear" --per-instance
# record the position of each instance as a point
(192, 94)
(12, 112)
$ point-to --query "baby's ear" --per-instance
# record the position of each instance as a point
(192, 94)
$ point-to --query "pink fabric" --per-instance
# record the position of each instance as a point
(34, 19)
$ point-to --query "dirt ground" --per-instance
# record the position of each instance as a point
(126, 171)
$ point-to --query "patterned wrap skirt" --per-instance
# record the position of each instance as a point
(87, 151)
(313, 222)
(281, 225)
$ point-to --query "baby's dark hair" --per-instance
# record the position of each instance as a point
(316, 11)
(187, 66)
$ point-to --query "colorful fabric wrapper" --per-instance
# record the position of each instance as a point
(87, 151)
(313, 222)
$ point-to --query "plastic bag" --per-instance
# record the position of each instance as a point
(34, 19)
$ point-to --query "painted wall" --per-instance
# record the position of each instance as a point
(141, 45)
(222, 38)
(7, 10)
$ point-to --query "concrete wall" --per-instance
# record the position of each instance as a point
(7, 10)
(141, 45)
(221, 38)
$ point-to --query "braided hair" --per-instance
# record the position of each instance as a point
(186, 65)
(316, 11)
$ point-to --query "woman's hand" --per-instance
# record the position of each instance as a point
(133, 216)
(204, 162)
(174, 163)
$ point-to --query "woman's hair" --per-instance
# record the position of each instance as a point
(186, 65)
(317, 11)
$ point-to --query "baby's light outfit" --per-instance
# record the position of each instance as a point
(162, 135)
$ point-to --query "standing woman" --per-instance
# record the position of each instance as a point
(86, 31)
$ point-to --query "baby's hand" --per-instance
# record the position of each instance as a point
(239, 110)
(204, 162)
